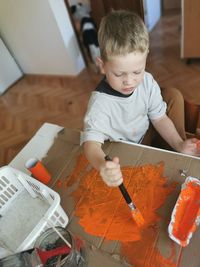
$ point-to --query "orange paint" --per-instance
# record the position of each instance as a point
(102, 211)
(186, 212)
(59, 183)
(144, 253)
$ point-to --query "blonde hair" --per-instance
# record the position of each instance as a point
(122, 32)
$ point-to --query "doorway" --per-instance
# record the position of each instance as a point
(100, 8)
(96, 9)
(85, 29)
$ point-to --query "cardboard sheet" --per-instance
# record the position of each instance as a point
(61, 156)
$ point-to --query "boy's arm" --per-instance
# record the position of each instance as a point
(110, 171)
(167, 130)
(94, 153)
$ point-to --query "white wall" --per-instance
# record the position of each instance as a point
(40, 36)
(9, 70)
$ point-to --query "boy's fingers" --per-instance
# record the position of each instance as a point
(195, 140)
(114, 183)
(112, 165)
(114, 180)
(116, 160)
(112, 177)
(113, 172)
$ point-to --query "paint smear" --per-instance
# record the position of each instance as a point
(143, 253)
(110, 216)
(186, 212)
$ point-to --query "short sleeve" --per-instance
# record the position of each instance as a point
(92, 131)
(156, 106)
(95, 123)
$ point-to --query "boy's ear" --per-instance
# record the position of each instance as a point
(100, 64)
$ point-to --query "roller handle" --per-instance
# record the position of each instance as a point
(122, 187)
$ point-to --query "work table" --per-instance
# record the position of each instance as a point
(59, 150)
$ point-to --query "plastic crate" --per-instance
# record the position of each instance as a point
(27, 208)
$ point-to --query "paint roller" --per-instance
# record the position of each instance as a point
(186, 213)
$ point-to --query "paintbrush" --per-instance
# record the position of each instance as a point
(136, 214)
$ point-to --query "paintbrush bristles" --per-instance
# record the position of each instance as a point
(138, 218)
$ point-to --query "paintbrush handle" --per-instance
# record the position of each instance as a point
(125, 193)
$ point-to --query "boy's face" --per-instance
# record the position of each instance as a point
(124, 73)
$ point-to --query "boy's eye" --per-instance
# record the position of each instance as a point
(122, 74)
(137, 72)
(118, 75)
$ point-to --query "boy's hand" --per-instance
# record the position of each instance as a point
(111, 173)
(191, 147)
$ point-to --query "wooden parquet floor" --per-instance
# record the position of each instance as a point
(164, 60)
(34, 100)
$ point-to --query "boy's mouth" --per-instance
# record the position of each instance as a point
(128, 90)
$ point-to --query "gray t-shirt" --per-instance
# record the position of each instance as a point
(116, 118)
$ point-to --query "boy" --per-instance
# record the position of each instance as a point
(128, 98)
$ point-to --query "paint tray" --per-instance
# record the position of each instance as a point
(26, 207)
(186, 214)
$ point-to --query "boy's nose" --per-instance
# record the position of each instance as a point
(128, 80)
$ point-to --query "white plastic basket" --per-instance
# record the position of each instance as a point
(27, 208)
